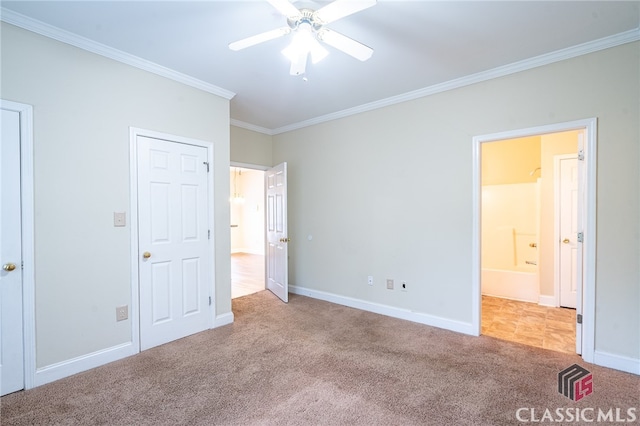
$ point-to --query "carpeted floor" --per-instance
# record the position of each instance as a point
(315, 363)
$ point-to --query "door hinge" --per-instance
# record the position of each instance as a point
(579, 318)
(206, 163)
(581, 155)
(208, 234)
(580, 237)
(209, 300)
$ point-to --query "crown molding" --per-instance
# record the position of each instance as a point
(50, 31)
(526, 64)
(67, 37)
(252, 127)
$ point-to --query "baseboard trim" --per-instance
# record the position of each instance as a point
(247, 251)
(502, 296)
(224, 319)
(390, 311)
(82, 363)
(617, 362)
(547, 301)
(67, 368)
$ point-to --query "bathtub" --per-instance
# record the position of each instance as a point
(518, 283)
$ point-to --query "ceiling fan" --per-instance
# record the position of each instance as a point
(308, 29)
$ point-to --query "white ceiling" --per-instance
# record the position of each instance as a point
(418, 46)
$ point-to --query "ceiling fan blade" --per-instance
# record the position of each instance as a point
(345, 44)
(341, 8)
(259, 38)
(286, 8)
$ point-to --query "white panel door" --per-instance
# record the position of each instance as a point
(173, 239)
(11, 332)
(277, 239)
(569, 247)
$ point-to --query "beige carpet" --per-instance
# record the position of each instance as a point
(309, 363)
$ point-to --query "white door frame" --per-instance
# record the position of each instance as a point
(233, 164)
(589, 223)
(27, 233)
(133, 182)
(264, 194)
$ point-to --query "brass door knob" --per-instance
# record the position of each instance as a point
(9, 267)
(566, 241)
(146, 255)
(285, 240)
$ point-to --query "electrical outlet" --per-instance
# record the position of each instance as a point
(119, 219)
(389, 284)
(403, 286)
(122, 313)
(370, 280)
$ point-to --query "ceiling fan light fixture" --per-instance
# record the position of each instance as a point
(299, 65)
(318, 52)
(308, 30)
(300, 44)
(304, 43)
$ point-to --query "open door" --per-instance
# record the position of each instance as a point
(568, 248)
(11, 303)
(277, 239)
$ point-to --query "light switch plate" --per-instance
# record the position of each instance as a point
(119, 219)
(122, 313)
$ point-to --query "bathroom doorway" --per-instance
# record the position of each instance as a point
(519, 243)
(247, 231)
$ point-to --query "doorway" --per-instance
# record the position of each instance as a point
(247, 213)
(516, 293)
(519, 215)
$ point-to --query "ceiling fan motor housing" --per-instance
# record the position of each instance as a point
(306, 16)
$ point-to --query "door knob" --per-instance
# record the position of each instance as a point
(9, 267)
(566, 241)
(285, 240)
(146, 255)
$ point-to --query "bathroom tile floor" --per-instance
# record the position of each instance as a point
(529, 324)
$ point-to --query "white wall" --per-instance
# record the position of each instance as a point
(84, 105)
(251, 147)
(388, 192)
(509, 225)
